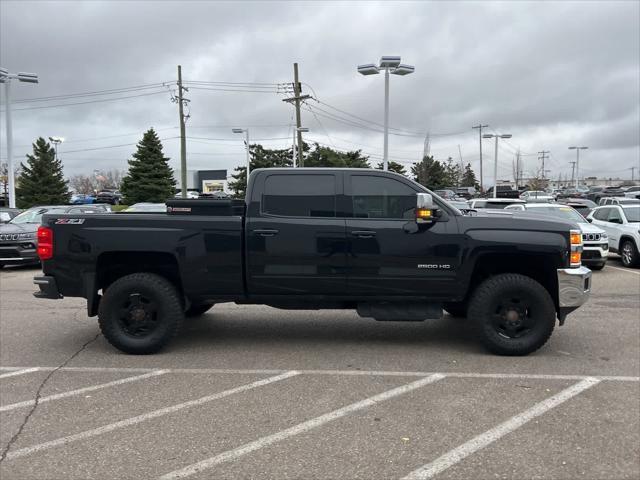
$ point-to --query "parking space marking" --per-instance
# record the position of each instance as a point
(20, 372)
(623, 270)
(479, 442)
(381, 373)
(146, 416)
(299, 428)
(79, 391)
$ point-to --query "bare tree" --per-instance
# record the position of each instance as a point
(108, 178)
(83, 184)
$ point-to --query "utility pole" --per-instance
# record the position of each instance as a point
(573, 171)
(183, 136)
(543, 155)
(517, 169)
(296, 99)
(427, 147)
(633, 169)
(480, 127)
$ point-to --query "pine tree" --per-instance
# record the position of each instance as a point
(469, 178)
(42, 181)
(430, 173)
(453, 173)
(150, 178)
(393, 167)
(328, 157)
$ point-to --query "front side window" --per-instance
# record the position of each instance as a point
(300, 195)
(381, 197)
(601, 214)
(614, 216)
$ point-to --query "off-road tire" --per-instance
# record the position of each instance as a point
(629, 258)
(197, 309)
(458, 309)
(168, 313)
(500, 292)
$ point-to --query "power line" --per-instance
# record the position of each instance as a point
(93, 93)
(91, 101)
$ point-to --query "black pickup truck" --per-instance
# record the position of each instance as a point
(359, 239)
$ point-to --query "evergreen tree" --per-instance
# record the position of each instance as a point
(453, 173)
(42, 181)
(469, 178)
(393, 167)
(430, 173)
(328, 157)
(150, 178)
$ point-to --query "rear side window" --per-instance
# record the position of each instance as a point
(601, 214)
(300, 195)
(380, 197)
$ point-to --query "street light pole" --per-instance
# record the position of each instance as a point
(577, 149)
(390, 65)
(246, 139)
(6, 77)
(495, 165)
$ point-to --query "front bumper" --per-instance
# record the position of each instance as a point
(48, 287)
(595, 253)
(19, 253)
(574, 287)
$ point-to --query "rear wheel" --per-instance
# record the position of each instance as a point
(197, 309)
(629, 253)
(140, 313)
(513, 314)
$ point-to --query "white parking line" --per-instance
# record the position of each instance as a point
(297, 429)
(456, 455)
(146, 416)
(79, 391)
(623, 270)
(19, 372)
(382, 373)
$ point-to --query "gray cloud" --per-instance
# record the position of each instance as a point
(552, 74)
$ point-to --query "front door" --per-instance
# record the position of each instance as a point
(295, 239)
(388, 255)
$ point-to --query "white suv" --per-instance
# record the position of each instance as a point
(622, 224)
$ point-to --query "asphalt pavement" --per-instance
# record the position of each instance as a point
(255, 392)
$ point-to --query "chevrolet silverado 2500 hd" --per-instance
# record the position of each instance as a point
(367, 240)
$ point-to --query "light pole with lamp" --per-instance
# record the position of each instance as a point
(577, 149)
(389, 65)
(495, 166)
(246, 140)
(298, 129)
(6, 77)
(56, 141)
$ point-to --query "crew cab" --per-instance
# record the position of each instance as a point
(311, 238)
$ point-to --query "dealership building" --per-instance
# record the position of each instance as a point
(205, 181)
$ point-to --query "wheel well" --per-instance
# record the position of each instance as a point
(114, 265)
(627, 237)
(537, 267)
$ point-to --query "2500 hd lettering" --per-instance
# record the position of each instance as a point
(367, 240)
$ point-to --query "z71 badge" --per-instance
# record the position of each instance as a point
(70, 221)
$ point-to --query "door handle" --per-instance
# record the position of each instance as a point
(266, 232)
(363, 233)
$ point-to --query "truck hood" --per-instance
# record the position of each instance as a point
(515, 220)
(590, 228)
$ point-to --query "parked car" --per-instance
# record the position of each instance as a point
(82, 199)
(368, 240)
(581, 205)
(618, 201)
(536, 196)
(146, 207)
(459, 204)
(622, 224)
(466, 192)
(446, 194)
(18, 236)
(596, 243)
(112, 197)
(632, 192)
(7, 214)
(504, 191)
(598, 192)
(495, 203)
(190, 194)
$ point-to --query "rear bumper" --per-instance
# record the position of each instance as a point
(48, 288)
(574, 287)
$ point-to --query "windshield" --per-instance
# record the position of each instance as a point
(564, 213)
(632, 213)
(34, 215)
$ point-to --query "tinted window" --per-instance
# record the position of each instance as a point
(632, 214)
(380, 197)
(601, 214)
(300, 195)
(614, 216)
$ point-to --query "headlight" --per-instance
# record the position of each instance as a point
(604, 236)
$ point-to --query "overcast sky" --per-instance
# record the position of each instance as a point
(551, 74)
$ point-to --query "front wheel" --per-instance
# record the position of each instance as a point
(629, 253)
(512, 313)
(140, 313)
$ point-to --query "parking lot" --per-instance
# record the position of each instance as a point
(254, 392)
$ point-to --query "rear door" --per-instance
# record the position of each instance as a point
(387, 257)
(295, 235)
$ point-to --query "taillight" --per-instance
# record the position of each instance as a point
(45, 243)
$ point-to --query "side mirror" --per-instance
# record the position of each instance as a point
(426, 211)
(590, 220)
